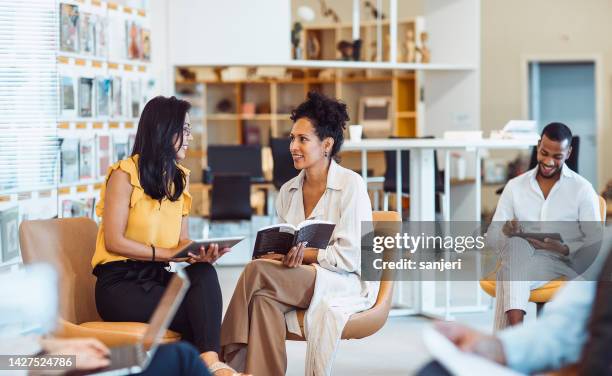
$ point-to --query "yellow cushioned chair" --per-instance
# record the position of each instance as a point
(68, 244)
(544, 294)
(366, 323)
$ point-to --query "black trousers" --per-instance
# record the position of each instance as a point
(130, 291)
(176, 359)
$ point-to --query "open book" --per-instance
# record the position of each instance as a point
(281, 237)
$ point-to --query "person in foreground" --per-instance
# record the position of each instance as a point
(28, 315)
(550, 192)
(324, 281)
(575, 327)
(144, 207)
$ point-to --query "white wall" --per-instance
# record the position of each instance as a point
(518, 28)
(160, 68)
(228, 31)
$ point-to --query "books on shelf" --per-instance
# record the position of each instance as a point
(135, 96)
(79, 208)
(134, 42)
(67, 96)
(103, 96)
(145, 36)
(120, 147)
(9, 233)
(86, 97)
(131, 141)
(87, 33)
(86, 158)
(117, 97)
(104, 154)
(101, 37)
(280, 238)
(69, 27)
(69, 155)
(117, 46)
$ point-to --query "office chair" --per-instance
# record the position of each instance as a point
(368, 322)
(230, 202)
(390, 183)
(283, 169)
(572, 161)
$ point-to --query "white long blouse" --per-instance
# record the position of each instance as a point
(338, 291)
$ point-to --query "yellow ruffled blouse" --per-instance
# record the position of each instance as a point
(149, 221)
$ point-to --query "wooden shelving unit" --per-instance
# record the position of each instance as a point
(274, 98)
(327, 36)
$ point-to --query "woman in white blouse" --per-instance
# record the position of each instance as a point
(324, 281)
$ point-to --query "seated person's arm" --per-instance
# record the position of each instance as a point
(115, 218)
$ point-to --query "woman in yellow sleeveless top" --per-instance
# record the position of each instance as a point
(144, 207)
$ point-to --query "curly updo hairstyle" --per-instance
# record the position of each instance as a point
(327, 115)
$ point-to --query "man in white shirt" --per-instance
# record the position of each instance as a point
(550, 192)
(553, 341)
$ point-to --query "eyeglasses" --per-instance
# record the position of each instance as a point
(186, 130)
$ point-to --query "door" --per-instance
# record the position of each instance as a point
(565, 92)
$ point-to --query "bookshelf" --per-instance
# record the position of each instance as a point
(104, 80)
(328, 35)
(253, 109)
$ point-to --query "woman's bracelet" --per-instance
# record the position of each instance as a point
(153, 249)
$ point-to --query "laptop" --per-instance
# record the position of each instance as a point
(129, 359)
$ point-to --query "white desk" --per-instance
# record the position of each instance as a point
(422, 195)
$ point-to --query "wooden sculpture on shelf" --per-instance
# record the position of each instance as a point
(410, 48)
(313, 47)
(346, 50)
(423, 50)
(328, 12)
(374, 11)
(296, 33)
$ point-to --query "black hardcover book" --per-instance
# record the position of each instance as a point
(281, 237)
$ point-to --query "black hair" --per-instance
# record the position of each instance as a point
(161, 123)
(557, 132)
(327, 115)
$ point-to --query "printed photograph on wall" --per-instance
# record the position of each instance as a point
(103, 96)
(68, 96)
(9, 228)
(69, 27)
(86, 97)
(87, 32)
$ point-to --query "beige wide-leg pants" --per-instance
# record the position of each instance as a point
(253, 330)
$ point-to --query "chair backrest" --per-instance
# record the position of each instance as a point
(67, 244)
(231, 197)
(390, 183)
(236, 159)
(368, 322)
(572, 161)
(283, 169)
